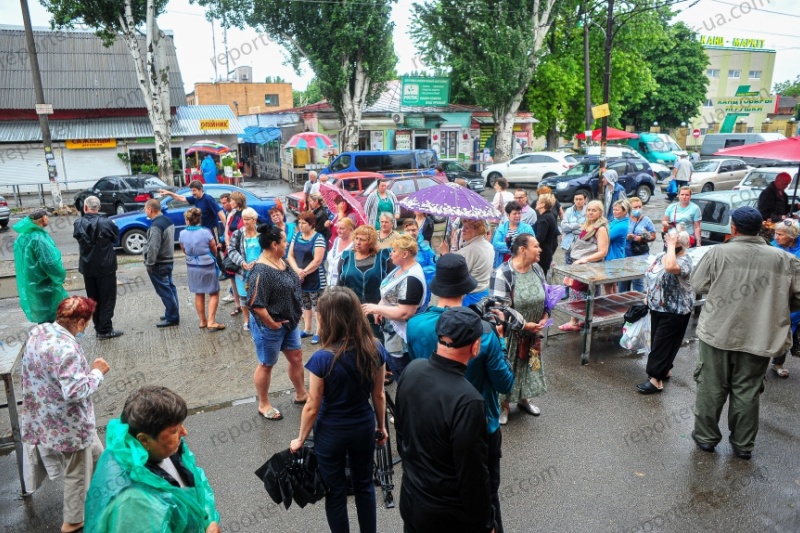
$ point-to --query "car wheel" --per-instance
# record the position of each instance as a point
(119, 209)
(3, 223)
(492, 179)
(79, 206)
(586, 193)
(708, 187)
(133, 241)
(644, 193)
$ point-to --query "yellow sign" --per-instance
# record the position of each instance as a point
(214, 124)
(600, 111)
(85, 144)
(736, 42)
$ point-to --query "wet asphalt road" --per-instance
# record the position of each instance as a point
(600, 458)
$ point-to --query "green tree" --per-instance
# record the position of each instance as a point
(788, 87)
(494, 44)
(126, 19)
(678, 63)
(276, 79)
(348, 46)
(311, 95)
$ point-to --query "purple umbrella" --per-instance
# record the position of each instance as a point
(451, 200)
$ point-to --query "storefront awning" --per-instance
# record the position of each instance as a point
(258, 135)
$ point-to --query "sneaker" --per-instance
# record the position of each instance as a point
(110, 335)
(246, 327)
(315, 339)
(305, 334)
(228, 299)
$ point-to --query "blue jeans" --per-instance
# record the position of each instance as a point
(333, 445)
(636, 285)
(161, 276)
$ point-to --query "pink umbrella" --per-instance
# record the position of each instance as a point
(331, 193)
(309, 139)
(612, 134)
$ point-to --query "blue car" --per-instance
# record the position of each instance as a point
(634, 174)
(133, 226)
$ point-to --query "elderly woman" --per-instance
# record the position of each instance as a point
(617, 236)
(591, 246)
(480, 258)
(57, 410)
(641, 232)
(148, 479)
(572, 223)
(306, 257)
(322, 217)
(200, 248)
(506, 232)
(363, 268)
(671, 300)
(386, 233)
(614, 191)
(278, 218)
(381, 200)
(686, 212)
(244, 250)
(342, 376)
(237, 203)
(546, 228)
(519, 283)
(275, 301)
(786, 238)
(404, 293)
(342, 243)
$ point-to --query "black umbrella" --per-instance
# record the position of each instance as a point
(636, 313)
(291, 476)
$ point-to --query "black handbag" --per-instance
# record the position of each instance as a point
(636, 313)
(229, 267)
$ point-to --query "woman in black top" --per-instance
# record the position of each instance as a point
(546, 228)
(275, 302)
(425, 224)
(322, 217)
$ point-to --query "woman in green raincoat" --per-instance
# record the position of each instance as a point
(40, 273)
(147, 479)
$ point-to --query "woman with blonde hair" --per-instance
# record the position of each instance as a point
(546, 228)
(404, 293)
(591, 246)
(244, 251)
(343, 242)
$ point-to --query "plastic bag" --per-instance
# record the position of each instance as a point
(636, 336)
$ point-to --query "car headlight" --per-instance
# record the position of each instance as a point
(561, 186)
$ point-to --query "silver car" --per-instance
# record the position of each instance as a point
(717, 174)
(5, 213)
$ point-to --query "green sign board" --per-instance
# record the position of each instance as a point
(425, 92)
(415, 122)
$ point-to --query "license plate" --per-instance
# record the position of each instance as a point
(705, 234)
(157, 195)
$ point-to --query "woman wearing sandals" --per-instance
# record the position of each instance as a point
(591, 246)
(244, 250)
(519, 283)
(306, 257)
(786, 238)
(275, 301)
(200, 248)
(343, 375)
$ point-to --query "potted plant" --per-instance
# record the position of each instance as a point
(228, 164)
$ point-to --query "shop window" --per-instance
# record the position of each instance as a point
(448, 149)
(271, 100)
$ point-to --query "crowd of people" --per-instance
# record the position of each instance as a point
(364, 295)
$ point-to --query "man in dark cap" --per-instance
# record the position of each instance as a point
(441, 435)
(750, 287)
(773, 203)
(40, 272)
(489, 372)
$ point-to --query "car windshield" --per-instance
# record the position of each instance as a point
(657, 146)
(760, 178)
(674, 147)
(340, 163)
(713, 211)
(570, 158)
(706, 166)
(146, 183)
(585, 167)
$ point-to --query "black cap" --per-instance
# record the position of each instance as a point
(452, 277)
(747, 219)
(461, 324)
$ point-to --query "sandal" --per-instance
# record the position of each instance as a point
(236, 311)
(203, 326)
(388, 379)
(569, 327)
(216, 327)
(782, 372)
(272, 414)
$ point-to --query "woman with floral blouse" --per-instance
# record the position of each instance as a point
(57, 410)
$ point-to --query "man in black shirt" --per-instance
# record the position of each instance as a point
(442, 435)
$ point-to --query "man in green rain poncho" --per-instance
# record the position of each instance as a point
(147, 480)
(40, 273)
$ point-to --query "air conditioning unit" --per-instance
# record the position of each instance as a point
(245, 77)
(398, 118)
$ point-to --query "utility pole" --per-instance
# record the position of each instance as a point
(39, 92)
(607, 74)
(587, 82)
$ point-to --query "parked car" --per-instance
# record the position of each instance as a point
(402, 186)
(389, 162)
(634, 174)
(717, 174)
(133, 226)
(653, 148)
(530, 168)
(352, 182)
(760, 178)
(661, 172)
(713, 142)
(716, 208)
(5, 213)
(120, 194)
(474, 180)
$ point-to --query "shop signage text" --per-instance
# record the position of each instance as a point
(214, 124)
(736, 42)
(86, 144)
(425, 91)
(600, 111)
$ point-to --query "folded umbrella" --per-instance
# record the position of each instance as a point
(291, 476)
(451, 200)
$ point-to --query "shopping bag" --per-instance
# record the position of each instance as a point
(636, 335)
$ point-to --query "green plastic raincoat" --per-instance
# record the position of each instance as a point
(40, 273)
(126, 496)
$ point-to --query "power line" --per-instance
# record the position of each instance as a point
(759, 9)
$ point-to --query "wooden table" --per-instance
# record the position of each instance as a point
(609, 309)
(9, 355)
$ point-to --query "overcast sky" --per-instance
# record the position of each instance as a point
(771, 21)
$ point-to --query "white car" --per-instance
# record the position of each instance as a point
(530, 168)
(759, 178)
(5, 213)
(717, 174)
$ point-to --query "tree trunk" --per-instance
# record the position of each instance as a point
(552, 139)
(153, 75)
(504, 127)
(354, 97)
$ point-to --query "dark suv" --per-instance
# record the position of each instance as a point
(634, 174)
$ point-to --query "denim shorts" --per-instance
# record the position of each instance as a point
(270, 342)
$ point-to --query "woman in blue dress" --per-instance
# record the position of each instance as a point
(200, 248)
(244, 251)
(786, 238)
(307, 258)
(617, 236)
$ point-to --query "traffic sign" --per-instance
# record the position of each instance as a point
(696, 133)
(600, 111)
(44, 109)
